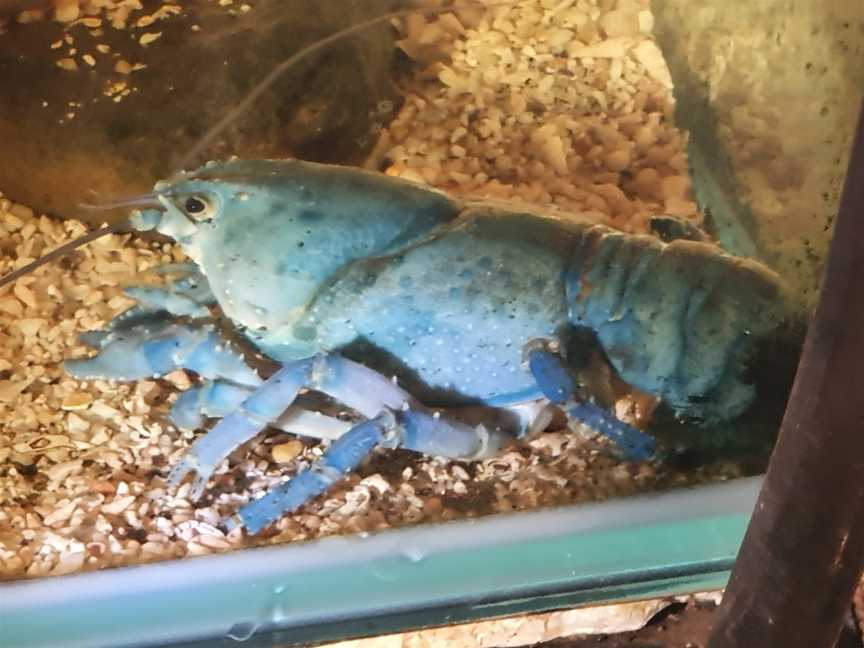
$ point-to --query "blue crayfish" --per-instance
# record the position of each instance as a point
(483, 313)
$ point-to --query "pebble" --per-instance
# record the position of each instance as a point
(101, 486)
(67, 64)
(617, 160)
(620, 22)
(154, 548)
(213, 541)
(67, 12)
(196, 549)
(60, 514)
(180, 379)
(148, 38)
(118, 505)
(61, 471)
(69, 563)
(675, 187)
(432, 506)
(288, 451)
(96, 549)
(76, 425)
(77, 401)
(459, 472)
(647, 183)
(377, 483)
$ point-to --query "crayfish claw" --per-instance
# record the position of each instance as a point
(185, 466)
(190, 464)
(199, 484)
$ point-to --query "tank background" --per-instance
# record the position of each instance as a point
(67, 133)
(784, 83)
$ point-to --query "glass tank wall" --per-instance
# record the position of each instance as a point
(713, 137)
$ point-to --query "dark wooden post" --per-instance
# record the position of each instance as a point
(804, 548)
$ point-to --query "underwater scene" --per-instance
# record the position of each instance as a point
(364, 264)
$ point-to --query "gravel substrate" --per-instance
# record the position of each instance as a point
(559, 103)
(550, 102)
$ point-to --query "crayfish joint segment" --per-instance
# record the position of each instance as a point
(216, 399)
(556, 383)
(346, 381)
(257, 411)
(444, 437)
(553, 378)
(412, 430)
(343, 456)
(219, 398)
(631, 443)
(355, 385)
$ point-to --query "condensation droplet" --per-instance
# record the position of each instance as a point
(413, 554)
(278, 613)
(242, 631)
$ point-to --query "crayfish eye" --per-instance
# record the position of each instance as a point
(198, 207)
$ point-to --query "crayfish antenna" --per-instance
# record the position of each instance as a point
(60, 252)
(247, 102)
(143, 200)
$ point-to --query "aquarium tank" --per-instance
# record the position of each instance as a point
(398, 313)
